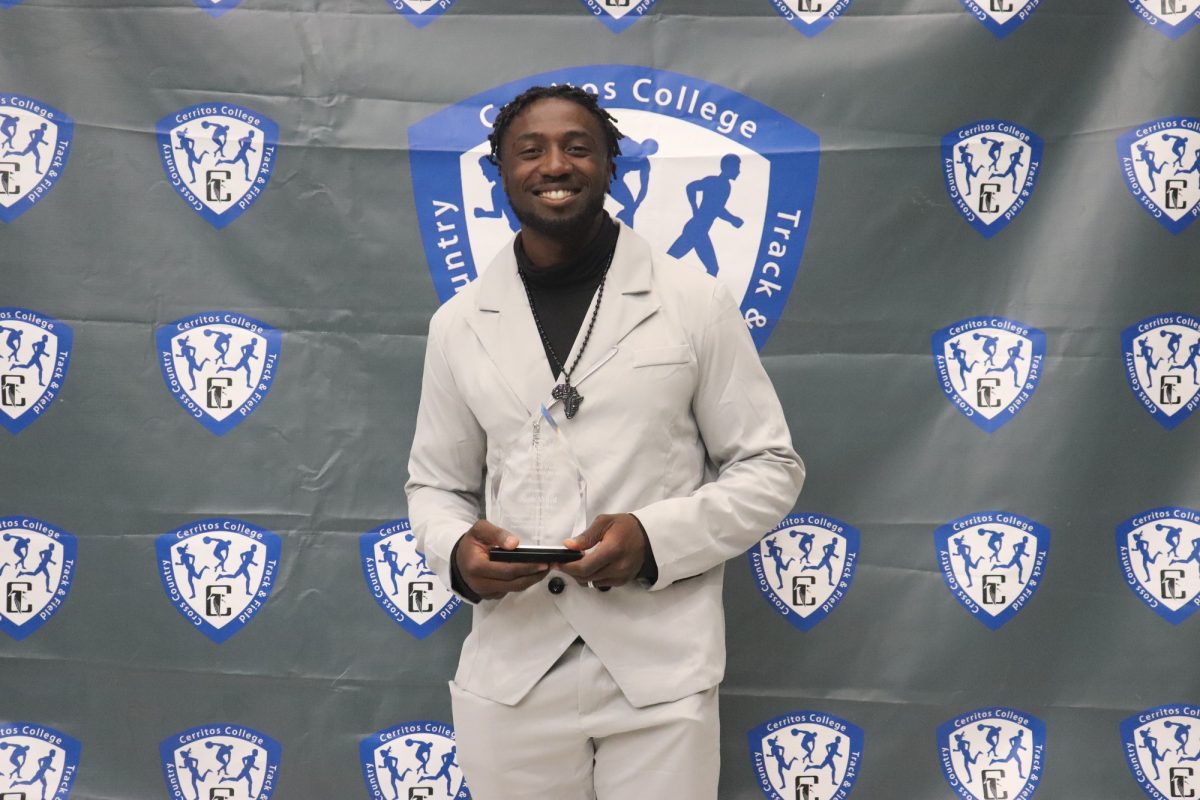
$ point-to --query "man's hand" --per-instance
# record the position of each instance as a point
(614, 549)
(489, 579)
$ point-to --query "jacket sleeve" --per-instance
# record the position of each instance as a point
(743, 428)
(446, 464)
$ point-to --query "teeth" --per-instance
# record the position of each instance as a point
(557, 194)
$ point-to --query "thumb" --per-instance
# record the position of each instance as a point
(592, 536)
(491, 535)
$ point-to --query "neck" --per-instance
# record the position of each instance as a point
(546, 251)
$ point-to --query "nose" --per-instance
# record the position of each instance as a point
(555, 162)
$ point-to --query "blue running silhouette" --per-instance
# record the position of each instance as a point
(1019, 552)
(8, 128)
(37, 138)
(708, 198)
(219, 135)
(245, 148)
(1178, 147)
(826, 563)
(16, 757)
(1146, 353)
(1150, 744)
(1015, 746)
(12, 338)
(782, 762)
(45, 559)
(244, 361)
(188, 562)
(500, 208)
(1195, 167)
(44, 766)
(420, 563)
(1014, 355)
(188, 145)
(1193, 556)
(963, 550)
(967, 159)
(832, 751)
(1182, 731)
(964, 749)
(1193, 354)
(220, 551)
(994, 543)
(808, 741)
(391, 765)
(805, 544)
(220, 344)
(1173, 341)
(187, 352)
(634, 160)
(20, 550)
(1148, 158)
(249, 764)
(995, 148)
(243, 568)
(444, 771)
(1014, 161)
(1143, 549)
(192, 766)
(422, 751)
(960, 356)
(991, 736)
(223, 754)
(37, 353)
(775, 552)
(1173, 534)
(988, 347)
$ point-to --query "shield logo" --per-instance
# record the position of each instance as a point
(810, 17)
(1163, 758)
(1001, 17)
(218, 573)
(36, 762)
(992, 562)
(988, 367)
(806, 755)
(37, 566)
(804, 567)
(35, 351)
(402, 583)
(218, 365)
(218, 157)
(1162, 365)
(1172, 18)
(990, 168)
(618, 14)
(35, 140)
(220, 762)
(421, 12)
(216, 8)
(684, 138)
(1160, 161)
(993, 753)
(414, 760)
(1159, 554)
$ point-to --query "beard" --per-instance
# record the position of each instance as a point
(565, 228)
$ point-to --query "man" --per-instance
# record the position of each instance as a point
(595, 678)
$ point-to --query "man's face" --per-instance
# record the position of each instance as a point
(555, 169)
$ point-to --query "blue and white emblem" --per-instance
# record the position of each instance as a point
(218, 573)
(714, 178)
(988, 367)
(618, 14)
(804, 567)
(35, 351)
(218, 158)
(1160, 161)
(36, 762)
(216, 8)
(992, 562)
(1159, 553)
(1001, 17)
(35, 140)
(420, 12)
(37, 566)
(810, 17)
(1162, 755)
(993, 753)
(218, 365)
(413, 761)
(402, 583)
(1172, 18)
(10, 3)
(220, 762)
(806, 755)
(1162, 365)
(990, 168)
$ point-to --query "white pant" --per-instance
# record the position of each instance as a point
(576, 737)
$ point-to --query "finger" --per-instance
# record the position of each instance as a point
(592, 535)
(491, 535)
(501, 571)
(595, 560)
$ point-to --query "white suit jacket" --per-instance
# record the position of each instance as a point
(680, 425)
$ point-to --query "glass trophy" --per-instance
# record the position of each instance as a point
(538, 492)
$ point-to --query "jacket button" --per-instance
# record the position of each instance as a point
(556, 585)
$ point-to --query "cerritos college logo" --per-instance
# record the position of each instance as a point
(218, 158)
(1001, 17)
(37, 565)
(35, 351)
(810, 17)
(993, 753)
(804, 567)
(218, 573)
(420, 12)
(35, 140)
(1159, 552)
(402, 583)
(1164, 760)
(1161, 363)
(618, 14)
(1173, 18)
(988, 367)
(712, 177)
(413, 761)
(220, 762)
(992, 563)
(218, 365)
(806, 755)
(1161, 163)
(991, 167)
(36, 762)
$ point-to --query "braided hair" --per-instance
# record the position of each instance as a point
(513, 108)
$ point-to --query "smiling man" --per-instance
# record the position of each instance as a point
(595, 678)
